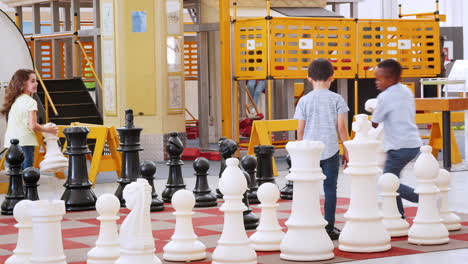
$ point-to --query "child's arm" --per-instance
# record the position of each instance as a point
(343, 134)
(300, 129)
(34, 126)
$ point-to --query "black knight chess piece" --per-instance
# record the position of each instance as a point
(147, 170)
(249, 164)
(31, 176)
(175, 181)
(251, 221)
(14, 158)
(264, 155)
(287, 191)
(202, 192)
(130, 147)
(227, 148)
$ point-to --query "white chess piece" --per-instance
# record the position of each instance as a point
(107, 249)
(427, 228)
(377, 133)
(450, 219)
(47, 232)
(388, 185)
(269, 234)
(233, 246)
(136, 237)
(306, 238)
(54, 161)
(23, 250)
(364, 230)
(184, 244)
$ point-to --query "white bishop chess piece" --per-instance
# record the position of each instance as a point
(450, 219)
(269, 234)
(388, 185)
(23, 250)
(364, 230)
(427, 228)
(184, 244)
(54, 161)
(136, 237)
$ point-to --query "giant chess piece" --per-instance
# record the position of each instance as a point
(233, 246)
(129, 136)
(249, 164)
(227, 148)
(388, 185)
(175, 181)
(14, 158)
(364, 230)
(203, 195)
(287, 191)
(427, 228)
(264, 155)
(269, 234)
(184, 245)
(107, 249)
(136, 237)
(377, 133)
(31, 177)
(54, 161)
(47, 232)
(250, 219)
(147, 170)
(449, 218)
(23, 250)
(306, 238)
(78, 195)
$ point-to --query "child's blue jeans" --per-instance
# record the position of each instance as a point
(28, 156)
(330, 168)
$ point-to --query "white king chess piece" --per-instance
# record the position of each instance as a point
(450, 219)
(54, 161)
(364, 230)
(388, 185)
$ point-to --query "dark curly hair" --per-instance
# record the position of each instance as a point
(15, 89)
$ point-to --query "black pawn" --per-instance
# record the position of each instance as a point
(264, 155)
(251, 221)
(227, 148)
(202, 191)
(147, 170)
(78, 195)
(175, 181)
(31, 177)
(249, 163)
(14, 158)
(287, 191)
(129, 136)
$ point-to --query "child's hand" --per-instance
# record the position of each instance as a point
(345, 160)
(51, 128)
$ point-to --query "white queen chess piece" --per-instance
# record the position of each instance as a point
(136, 237)
(364, 230)
(23, 250)
(450, 219)
(388, 185)
(54, 161)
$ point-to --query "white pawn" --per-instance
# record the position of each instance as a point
(450, 219)
(184, 244)
(47, 232)
(269, 234)
(427, 228)
(54, 161)
(388, 185)
(107, 249)
(23, 250)
(233, 246)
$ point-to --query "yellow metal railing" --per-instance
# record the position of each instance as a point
(90, 64)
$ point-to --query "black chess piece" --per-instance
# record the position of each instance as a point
(78, 195)
(264, 155)
(175, 181)
(202, 192)
(129, 146)
(287, 191)
(227, 148)
(31, 176)
(251, 221)
(147, 170)
(249, 164)
(14, 158)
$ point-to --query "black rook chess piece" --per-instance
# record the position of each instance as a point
(264, 155)
(147, 170)
(15, 158)
(287, 191)
(202, 191)
(78, 195)
(249, 164)
(129, 146)
(175, 181)
(31, 177)
(227, 148)
(251, 221)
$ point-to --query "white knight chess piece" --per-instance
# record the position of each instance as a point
(54, 161)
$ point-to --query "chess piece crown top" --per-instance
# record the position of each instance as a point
(362, 126)
(183, 201)
(129, 118)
